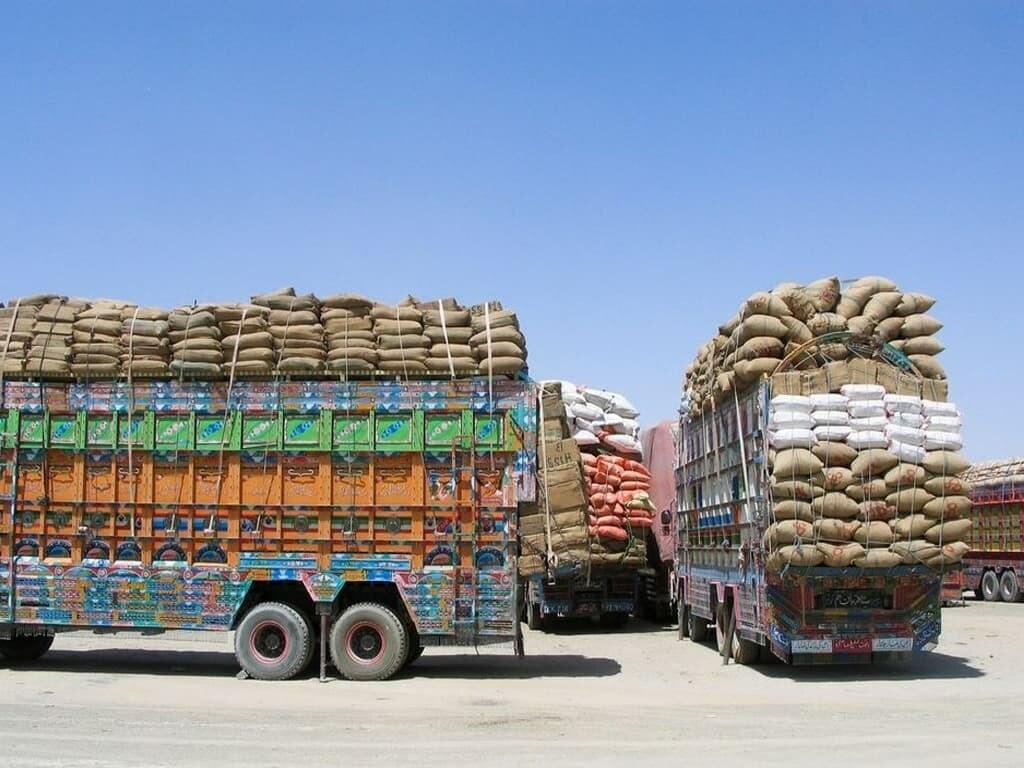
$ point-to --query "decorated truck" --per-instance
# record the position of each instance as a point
(994, 567)
(819, 503)
(320, 512)
(583, 542)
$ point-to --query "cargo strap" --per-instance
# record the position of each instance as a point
(447, 344)
(7, 344)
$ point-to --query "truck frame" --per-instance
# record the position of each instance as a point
(994, 567)
(370, 518)
(802, 615)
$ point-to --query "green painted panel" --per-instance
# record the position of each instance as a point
(444, 430)
(398, 431)
(217, 432)
(353, 432)
(67, 430)
(100, 430)
(261, 431)
(307, 432)
(32, 430)
(174, 432)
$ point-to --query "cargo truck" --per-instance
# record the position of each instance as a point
(364, 518)
(801, 614)
(994, 567)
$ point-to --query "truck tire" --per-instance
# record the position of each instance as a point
(990, 587)
(273, 642)
(368, 642)
(1009, 587)
(533, 619)
(696, 626)
(23, 649)
(745, 651)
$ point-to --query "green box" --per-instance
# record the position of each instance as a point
(100, 430)
(445, 430)
(218, 432)
(490, 430)
(261, 432)
(307, 432)
(8, 420)
(138, 428)
(398, 431)
(353, 432)
(173, 432)
(32, 430)
(66, 430)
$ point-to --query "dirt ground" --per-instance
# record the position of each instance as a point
(580, 697)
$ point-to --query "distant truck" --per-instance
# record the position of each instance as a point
(994, 567)
(654, 598)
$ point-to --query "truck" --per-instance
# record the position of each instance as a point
(994, 567)
(584, 550)
(360, 520)
(654, 599)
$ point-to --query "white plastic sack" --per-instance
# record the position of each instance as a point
(599, 397)
(867, 439)
(908, 435)
(586, 411)
(833, 433)
(585, 437)
(860, 409)
(910, 454)
(876, 423)
(588, 426)
(942, 441)
(829, 402)
(935, 408)
(826, 418)
(622, 443)
(792, 438)
(791, 420)
(863, 391)
(915, 420)
(903, 403)
(622, 407)
(944, 423)
(791, 403)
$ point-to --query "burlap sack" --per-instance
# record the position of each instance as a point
(504, 333)
(500, 349)
(840, 555)
(948, 507)
(304, 332)
(455, 335)
(954, 530)
(404, 341)
(366, 354)
(835, 530)
(795, 489)
(920, 325)
(460, 364)
(793, 510)
(764, 303)
(945, 463)
(393, 314)
(453, 350)
(914, 304)
(948, 485)
(298, 317)
(787, 532)
(909, 500)
(350, 301)
(914, 551)
(342, 342)
(246, 341)
(418, 354)
(453, 318)
(501, 365)
(349, 325)
(882, 305)
(796, 462)
(300, 364)
(928, 366)
(833, 454)
(836, 505)
(823, 294)
(877, 558)
(350, 365)
(499, 319)
(406, 367)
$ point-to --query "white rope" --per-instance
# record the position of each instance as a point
(7, 344)
(447, 344)
(131, 409)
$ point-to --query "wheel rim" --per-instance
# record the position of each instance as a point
(268, 642)
(365, 643)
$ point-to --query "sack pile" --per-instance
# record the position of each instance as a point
(597, 417)
(280, 332)
(799, 324)
(449, 328)
(620, 505)
(865, 478)
(497, 342)
(348, 328)
(246, 344)
(402, 346)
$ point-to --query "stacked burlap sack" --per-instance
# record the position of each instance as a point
(246, 344)
(794, 322)
(597, 417)
(620, 505)
(96, 339)
(449, 327)
(402, 346)
(348, 328)
(497, 342)
(294, 324)
(195, 339)
(277, 332)
(865, 478)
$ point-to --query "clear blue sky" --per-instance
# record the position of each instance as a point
(623, 174)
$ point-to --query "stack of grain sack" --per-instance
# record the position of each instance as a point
(597, 417)
(280, 332)
(592, 508)
(864, 449)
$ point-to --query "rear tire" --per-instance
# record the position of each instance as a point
(369, 642)
(696, 626)
(19, 650)
(1009, 587)
(273, 642)
(990, 587)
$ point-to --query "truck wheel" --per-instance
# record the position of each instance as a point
(1009, 588)
(745, 651)
(368, 642)
(990, 587)
(273, 642)
(696, 626)
(533, 619)
(22, 649)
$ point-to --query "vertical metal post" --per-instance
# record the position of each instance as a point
(323, 646)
